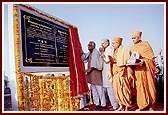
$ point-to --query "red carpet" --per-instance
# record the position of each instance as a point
(158, 107)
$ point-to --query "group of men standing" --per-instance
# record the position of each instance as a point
(108, 70)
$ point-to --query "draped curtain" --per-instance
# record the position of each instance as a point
(78, 83)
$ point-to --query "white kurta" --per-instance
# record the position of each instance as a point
(106, 83)
(105, 71)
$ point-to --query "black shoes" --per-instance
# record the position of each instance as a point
(100, 108)
(104, 107)
(97, 107)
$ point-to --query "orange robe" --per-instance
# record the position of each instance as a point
(146, 93)
(120, 76)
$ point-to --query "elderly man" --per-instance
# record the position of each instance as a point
(94, 74)
(144, 72)
(105, 51)
(121, 74)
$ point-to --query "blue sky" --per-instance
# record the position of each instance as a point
(96, 21)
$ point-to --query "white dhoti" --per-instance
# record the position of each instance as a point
(98, 95)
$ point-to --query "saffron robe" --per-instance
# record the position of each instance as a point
(146, 93)
(120, 72)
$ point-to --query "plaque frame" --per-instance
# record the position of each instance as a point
(44, 16)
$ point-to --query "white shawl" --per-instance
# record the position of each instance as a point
(96, 60)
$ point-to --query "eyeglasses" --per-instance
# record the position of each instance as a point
(134, 37)
(89, 44)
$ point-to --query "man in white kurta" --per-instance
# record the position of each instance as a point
(107, 84)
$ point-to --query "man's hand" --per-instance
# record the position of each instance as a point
(81, 52)
(142, 62)
(88, 70)
(111, 59)
(101, 50)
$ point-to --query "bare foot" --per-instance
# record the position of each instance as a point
(126, 108)
(90, 103)
(138, 110)
(120, 108)
(151, 109)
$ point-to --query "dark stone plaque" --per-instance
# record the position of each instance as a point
(44, 43)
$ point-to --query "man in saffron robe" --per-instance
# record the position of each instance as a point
(121, 74)
(144, 72)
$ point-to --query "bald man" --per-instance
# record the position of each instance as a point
(119, 57)
(144, 72)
